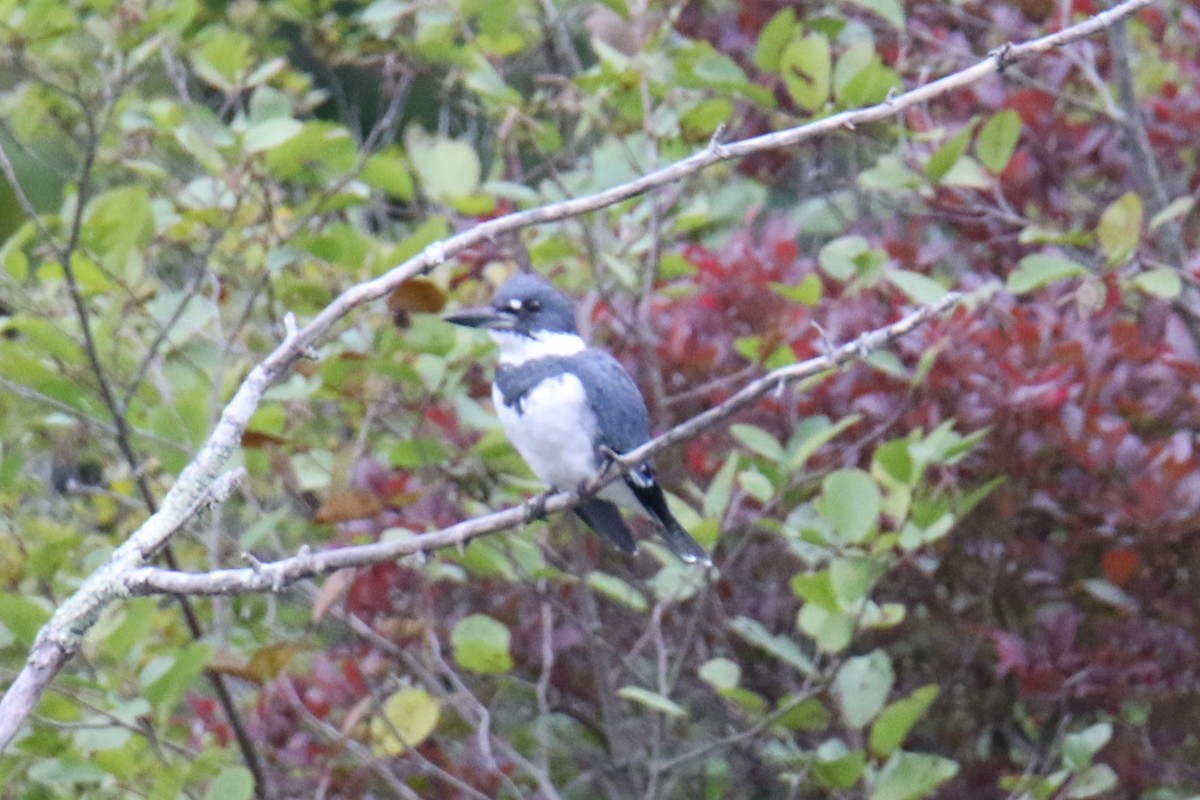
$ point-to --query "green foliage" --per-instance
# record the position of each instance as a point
(481, 644)
(1038, 270)
(862, 686)
(998, 139)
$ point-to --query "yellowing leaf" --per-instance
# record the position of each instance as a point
(1120, 227)
(271, 660)
(417, 296)
(347, 505)
(406, 720)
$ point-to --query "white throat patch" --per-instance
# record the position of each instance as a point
(517, 349)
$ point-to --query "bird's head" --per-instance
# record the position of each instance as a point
(525, 305)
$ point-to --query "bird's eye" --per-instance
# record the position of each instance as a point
(514, 305)
(533, 305)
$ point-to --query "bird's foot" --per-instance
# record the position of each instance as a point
(535, 509)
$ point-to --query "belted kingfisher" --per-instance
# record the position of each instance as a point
(564, 405)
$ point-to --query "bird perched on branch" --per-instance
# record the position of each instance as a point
(567, 408)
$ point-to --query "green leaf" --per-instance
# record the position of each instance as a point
(702, 119)
(919, 288)
(773, 38)
(783, 648)
(616, 589)
(755, 484)
(908, 776)
(1041, 269)
(720, 489)
(850, 499)
(388, 173)
(758, 441)
(807, 292)
(753, 704)
(949, 153)
(862, 685)
(998, 139)
(816, 588)
(118, 226)
(1179, 207)
(720, 673)
(806, 65)
(1081, 747)
(1120, 227)
(811, 435)
(133, 622)
(1163, 283)
(319, 150)
(841, 257)
(890, 174)
(652, 700)
(269, 103)
(23, 616)
(231, 783)
(838, 767)
(270, 133)
(166, 678)
(1092, 782)
(382, 16)
(481, 644)
(807, 714)
(448, 168)
(892, 725)
(864, 83)
(852, 578)
(966, 173)
(64, 771)
(432, 229)
(889, 10)
(223, 58)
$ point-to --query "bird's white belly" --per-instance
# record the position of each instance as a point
(555, 431)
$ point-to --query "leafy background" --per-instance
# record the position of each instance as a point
(965, 567)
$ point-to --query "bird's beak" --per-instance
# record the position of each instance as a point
(486, 317)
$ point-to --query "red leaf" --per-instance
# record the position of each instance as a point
(1119, 564)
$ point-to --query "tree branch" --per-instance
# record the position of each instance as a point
(60, 637)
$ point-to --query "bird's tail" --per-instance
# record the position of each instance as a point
(604, 518)
(678, 540)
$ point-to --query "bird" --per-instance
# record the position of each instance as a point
(567, 408)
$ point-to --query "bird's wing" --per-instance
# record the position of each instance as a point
(622, 422)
